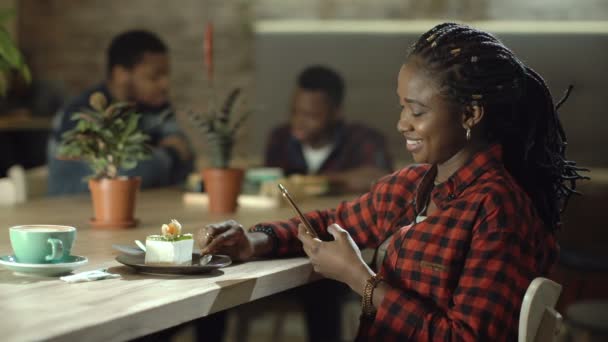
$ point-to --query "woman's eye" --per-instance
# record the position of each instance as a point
(416, 110)
(408, 108)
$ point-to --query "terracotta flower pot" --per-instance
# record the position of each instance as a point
(223, 187)
(114, 202)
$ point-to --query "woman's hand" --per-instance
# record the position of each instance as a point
(339, 259)
(230, 238)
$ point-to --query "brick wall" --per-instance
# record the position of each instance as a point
(65, 40)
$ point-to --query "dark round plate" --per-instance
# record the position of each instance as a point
(138, 263)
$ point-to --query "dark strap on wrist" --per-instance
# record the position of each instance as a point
(259, 228)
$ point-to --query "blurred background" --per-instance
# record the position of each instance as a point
(261, 45)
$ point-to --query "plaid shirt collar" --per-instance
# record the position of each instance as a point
(451, 189)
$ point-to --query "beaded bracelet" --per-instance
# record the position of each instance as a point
(271, 234)
(367, 305)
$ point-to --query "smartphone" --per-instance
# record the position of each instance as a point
(295, 208)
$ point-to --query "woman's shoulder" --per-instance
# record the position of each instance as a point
(407, 177)
(503, 198)
(500, 183)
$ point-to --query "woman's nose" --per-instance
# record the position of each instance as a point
(403, 125)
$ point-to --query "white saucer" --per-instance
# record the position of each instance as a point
(46, 270)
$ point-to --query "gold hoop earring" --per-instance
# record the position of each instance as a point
(468, 134)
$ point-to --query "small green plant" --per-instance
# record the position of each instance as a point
(220, 130)
(106, 137)
(11, 59)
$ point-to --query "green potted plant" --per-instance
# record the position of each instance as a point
(108, 139)
(220, 127)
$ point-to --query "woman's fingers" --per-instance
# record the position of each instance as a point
(231, 251)
(310, 245)
(224, 225)
(227, 238)
(217, 241)
(303, 235)
(205, 235)
(337, 232)
(308, 251)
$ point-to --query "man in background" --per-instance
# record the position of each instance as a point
(138, 72)
(317, 140)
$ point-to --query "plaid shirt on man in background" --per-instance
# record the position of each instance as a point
(354, 146)
(461, 274)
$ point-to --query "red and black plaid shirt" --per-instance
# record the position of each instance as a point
(354, 146)
(461, 274)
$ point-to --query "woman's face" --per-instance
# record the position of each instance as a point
(432, 131)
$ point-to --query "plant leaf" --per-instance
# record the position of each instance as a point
(6, 14)
(228, 104)
(8, 50)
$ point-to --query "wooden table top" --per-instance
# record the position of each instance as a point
(25, 123)
(37, 308)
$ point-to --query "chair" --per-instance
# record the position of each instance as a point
(538, 320)
(36, 182)
(13, 188)
(8, 192)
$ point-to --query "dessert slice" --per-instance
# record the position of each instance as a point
(171, 247)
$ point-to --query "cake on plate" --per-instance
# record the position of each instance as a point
(171, 247)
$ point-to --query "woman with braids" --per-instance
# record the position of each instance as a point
(470, 225)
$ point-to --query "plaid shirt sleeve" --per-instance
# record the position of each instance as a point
(357, 217)
(498, 268)
(355, 146)
(367, 219)
(373, 152)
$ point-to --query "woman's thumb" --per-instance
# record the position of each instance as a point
(335, 230)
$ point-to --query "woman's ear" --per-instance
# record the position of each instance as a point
(472, 116)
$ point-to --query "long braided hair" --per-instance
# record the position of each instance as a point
(474, 68)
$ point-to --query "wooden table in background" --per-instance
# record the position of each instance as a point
(18, 123)
(36, 308)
